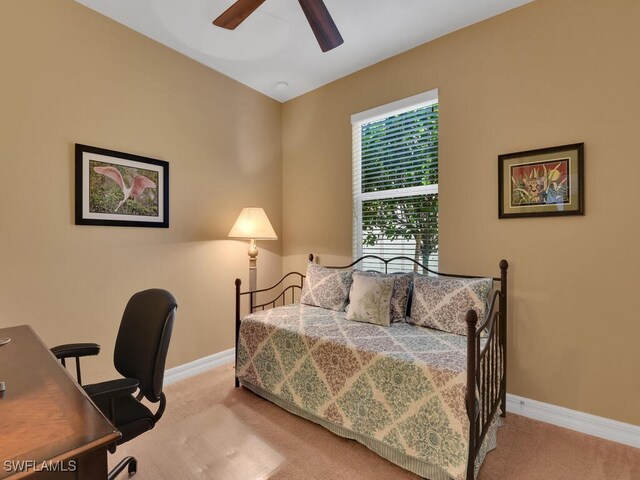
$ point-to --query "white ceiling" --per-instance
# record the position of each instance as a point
(275, 44)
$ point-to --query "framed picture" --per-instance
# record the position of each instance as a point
(541, 183)
(120, 189)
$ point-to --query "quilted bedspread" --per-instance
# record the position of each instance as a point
(400, 389)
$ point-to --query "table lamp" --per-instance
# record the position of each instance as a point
(253, 224)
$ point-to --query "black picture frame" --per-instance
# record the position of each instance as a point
(546, 182)
(100, 194)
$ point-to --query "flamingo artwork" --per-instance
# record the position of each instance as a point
(138, 184)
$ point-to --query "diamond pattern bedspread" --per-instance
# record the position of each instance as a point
(401, 385)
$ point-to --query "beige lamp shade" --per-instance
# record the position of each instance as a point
(252, 223)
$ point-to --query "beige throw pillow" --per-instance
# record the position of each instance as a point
(400, 296)
(370, 299)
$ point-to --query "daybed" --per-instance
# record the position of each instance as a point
(425, 399)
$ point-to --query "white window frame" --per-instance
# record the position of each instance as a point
(421, 100)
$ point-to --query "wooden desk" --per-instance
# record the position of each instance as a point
(45, 416)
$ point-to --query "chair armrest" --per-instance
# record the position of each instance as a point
(112, 389)
(71, 350)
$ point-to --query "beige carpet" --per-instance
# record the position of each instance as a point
(212, 431)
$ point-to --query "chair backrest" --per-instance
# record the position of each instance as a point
(143, 339)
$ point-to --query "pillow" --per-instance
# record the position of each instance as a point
(370, 298)
(326, 287)
(400, 296)
(442, 303)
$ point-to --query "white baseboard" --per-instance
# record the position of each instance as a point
(563, 417)
(200, 365)
(572, 419)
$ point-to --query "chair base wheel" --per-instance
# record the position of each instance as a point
(132, 467)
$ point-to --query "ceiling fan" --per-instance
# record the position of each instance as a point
(316, 12)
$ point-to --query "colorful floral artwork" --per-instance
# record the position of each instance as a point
(540, 183)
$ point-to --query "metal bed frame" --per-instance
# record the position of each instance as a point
(486, 365)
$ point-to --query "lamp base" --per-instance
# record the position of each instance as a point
(253, 269)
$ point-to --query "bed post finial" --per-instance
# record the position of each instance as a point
(311, 257)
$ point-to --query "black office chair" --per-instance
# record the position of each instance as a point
(139, 356)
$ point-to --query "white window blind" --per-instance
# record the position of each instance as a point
(395, 181)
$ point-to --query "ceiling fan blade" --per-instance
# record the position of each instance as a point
(237, 13)
(322, 24)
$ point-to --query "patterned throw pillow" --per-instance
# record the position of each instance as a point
(400, 294)
(326, 287)
(442, 303)
(370, 298)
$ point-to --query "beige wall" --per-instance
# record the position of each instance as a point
(549, 73)
(552, 72)
(70, 75)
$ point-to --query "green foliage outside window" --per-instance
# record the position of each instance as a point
(399, 152)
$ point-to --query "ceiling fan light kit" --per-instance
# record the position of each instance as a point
(319, 18)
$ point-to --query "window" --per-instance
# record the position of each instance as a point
(395, 180)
